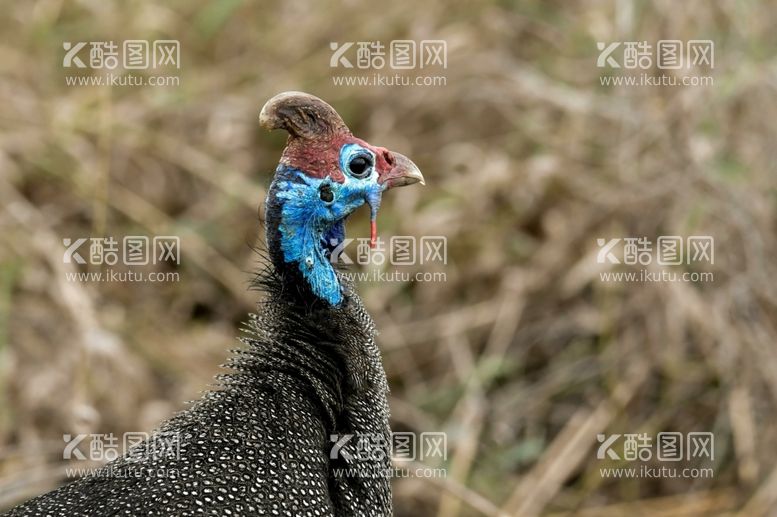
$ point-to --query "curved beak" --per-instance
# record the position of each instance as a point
(403, 172)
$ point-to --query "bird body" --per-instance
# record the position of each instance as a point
(310, 373)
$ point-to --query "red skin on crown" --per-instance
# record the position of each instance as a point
(320, 157)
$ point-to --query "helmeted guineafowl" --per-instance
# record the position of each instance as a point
(260, 444)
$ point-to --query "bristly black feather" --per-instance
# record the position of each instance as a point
(259, 442)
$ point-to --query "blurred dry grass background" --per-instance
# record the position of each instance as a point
(523, 355)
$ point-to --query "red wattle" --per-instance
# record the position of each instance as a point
(373, 233)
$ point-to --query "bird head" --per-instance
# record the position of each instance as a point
(325, 173)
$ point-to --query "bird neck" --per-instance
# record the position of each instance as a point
(300, 249)
(332, 347)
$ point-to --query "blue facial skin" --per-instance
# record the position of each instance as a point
(310, 227)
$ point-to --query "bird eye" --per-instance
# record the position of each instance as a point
(360, 167)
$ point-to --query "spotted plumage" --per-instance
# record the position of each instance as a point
(309, 373)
